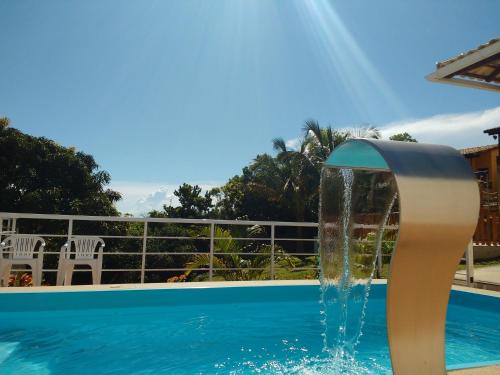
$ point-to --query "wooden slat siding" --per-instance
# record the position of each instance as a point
(488, 227)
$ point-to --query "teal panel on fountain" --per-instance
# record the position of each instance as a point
(356, 154)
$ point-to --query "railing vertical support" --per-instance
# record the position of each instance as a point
(272, 251)
(13, 227)
(211, 266)
(59, 275)
(380, 263)
(469, 263)
(144, 246)
(70, 228)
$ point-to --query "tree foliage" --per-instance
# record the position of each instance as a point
(403, 137)
(193, 204)
(38, 175)
(285, 186)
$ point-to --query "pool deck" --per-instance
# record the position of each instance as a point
(488, 370)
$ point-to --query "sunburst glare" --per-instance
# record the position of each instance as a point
(346, 59)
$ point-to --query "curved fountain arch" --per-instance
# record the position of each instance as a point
(439, 205)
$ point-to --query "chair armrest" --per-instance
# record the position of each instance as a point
(100, 251)
(64, 250)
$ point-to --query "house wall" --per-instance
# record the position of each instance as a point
(487, 160)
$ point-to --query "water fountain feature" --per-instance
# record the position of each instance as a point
(355, 207)
(367, 187)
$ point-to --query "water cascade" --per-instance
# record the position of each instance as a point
(416, 204)
(355, 206)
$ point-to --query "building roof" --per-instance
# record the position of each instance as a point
(492, 131)
(478, 149)
(477, 68)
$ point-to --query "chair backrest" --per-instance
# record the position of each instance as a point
(84, 247)
(22, 246)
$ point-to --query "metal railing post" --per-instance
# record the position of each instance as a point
(272, 251)
(379, 262)
(59, 275)
(469, 263)
(211, 265)
(144, 245)
(70, 228)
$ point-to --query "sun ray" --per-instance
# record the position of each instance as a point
(361, 80)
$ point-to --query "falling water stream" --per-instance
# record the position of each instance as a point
(348, 254)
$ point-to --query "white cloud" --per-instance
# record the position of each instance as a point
(457, 130)
(139, 198)
(293, 144)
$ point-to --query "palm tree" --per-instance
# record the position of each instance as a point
(302, 175)
(367, 131)
(322, 141)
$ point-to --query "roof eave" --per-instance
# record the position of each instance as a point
(433, 77)
(446, 73)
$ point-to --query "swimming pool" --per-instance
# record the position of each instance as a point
(241, 330)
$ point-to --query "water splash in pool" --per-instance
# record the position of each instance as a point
(355, 205)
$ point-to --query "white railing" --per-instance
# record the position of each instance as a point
(16, 223)
(277, 235)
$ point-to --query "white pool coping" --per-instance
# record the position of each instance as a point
(199, 285)
(150, 286)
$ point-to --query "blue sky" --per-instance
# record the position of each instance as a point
(163, 92)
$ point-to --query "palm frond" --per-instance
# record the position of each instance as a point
(312, 127)
(279, 145)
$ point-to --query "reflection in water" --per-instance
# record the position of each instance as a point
(354, 209)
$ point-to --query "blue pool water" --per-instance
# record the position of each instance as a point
(240, 330)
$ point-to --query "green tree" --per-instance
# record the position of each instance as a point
(403, 137)
(39, 176)
(256, 194)
(193, 204)
(300, 184)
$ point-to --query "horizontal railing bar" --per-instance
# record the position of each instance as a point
(174, 269)
(115, 269)
(14, 215)
(42, 235)
(296, 239)
(244, 253)
(240, 269)
(186, 253)
(268, 254)
(176, 238)
(178, 253)
(298, 254)
(197, 238)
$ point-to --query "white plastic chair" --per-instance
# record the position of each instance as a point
(80, 250)
(21, 249)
